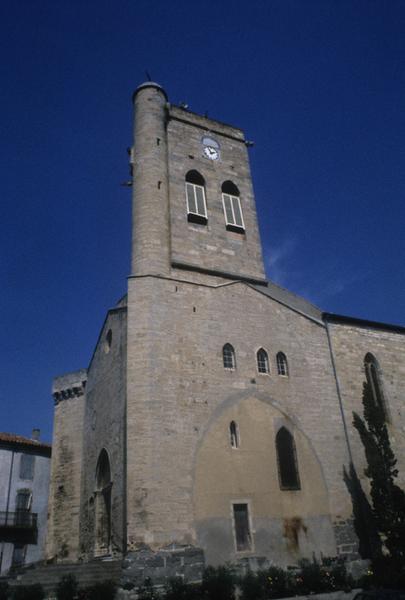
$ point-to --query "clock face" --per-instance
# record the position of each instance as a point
(210, 148)
(211, 152)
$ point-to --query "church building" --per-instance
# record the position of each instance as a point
(215, 416)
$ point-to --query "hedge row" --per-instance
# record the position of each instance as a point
(219, 583)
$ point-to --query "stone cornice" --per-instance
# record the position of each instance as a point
(70, 385)
(72, 392)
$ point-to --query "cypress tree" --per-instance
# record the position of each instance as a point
(387, 499)
(364, 521)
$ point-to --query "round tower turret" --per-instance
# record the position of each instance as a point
(150, 212)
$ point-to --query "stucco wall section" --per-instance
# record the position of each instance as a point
(38, 486)
(286, 524)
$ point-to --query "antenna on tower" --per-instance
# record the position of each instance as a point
(149, 78)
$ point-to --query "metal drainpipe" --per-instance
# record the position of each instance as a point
(8, 503)
(338, 391)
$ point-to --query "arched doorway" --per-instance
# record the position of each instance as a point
(102, 544)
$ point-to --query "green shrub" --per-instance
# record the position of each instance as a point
(366, 581)
(67, 588)
(147, 592)
(250, 587)
(105, 590)
(275, 582)
(219, 583)
(176, 589)
(311, 578)
(339, 578)
(264, 585)
(4, 590)
(28, 592)
(388, 572)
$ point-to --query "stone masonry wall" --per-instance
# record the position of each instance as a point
(104, 427)
(350, 345)
(211, 246)
(177, 383)
(64, 496)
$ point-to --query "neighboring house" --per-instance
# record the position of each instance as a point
(24, 485)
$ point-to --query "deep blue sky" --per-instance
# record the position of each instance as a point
(319, 85)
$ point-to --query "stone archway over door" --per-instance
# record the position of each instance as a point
(102, 544)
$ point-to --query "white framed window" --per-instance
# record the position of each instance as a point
(196, 204)
(233, 212)
(195, 196)
(232, 207)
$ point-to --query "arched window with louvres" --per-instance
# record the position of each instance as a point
(195, 196)
(232, 207)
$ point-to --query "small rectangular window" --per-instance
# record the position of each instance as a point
(23, 500)
(233, 213)
(196, 205)
(22, 508)
(243, 537)
(27, 462)
(18, 555)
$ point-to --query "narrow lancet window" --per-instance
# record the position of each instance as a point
(282, 365)
(287, 460)
(234, 434)
(262, 361)
(228, 355)
(373, 377)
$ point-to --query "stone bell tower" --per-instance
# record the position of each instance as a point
(194, 220)
(193, 203)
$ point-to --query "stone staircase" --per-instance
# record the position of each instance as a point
(86, 574)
